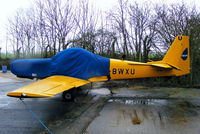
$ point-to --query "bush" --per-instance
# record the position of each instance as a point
(5, 62)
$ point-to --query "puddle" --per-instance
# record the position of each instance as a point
(100, 91)
(129, 101)
(176, 110)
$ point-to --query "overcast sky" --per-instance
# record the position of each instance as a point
(8, 8)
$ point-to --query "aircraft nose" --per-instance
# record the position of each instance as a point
(31, 68)
(20, 67)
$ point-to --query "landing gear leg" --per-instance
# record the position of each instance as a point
(111, 92)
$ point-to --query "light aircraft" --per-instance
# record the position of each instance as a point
(74, 67)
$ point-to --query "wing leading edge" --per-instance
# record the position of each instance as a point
(48, 87)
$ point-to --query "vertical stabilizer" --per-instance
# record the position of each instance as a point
(178, 55)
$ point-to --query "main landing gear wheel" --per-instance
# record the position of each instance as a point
(69, 95)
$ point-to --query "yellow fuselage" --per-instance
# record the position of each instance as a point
(122, 69)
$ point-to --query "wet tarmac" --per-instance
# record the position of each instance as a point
(147, 116)
(16, 119)
(54, 112)
(129, 110)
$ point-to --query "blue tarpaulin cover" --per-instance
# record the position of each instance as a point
(31, 67)
(73, 62)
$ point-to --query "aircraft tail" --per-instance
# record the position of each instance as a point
(178, 55)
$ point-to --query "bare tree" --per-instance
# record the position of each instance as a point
(142, 30)
(172, 21)
(86, 25)
(54, 22)
(118, 18)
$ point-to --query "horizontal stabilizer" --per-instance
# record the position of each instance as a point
(48, 87)
(162, 65)
(153, 63)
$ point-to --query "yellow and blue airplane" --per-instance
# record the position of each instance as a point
(74, 67)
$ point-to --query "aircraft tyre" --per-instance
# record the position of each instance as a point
(68, 95)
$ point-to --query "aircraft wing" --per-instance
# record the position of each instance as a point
(48, 87)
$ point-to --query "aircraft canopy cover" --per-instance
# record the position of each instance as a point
(79, 63)
(73, 62)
